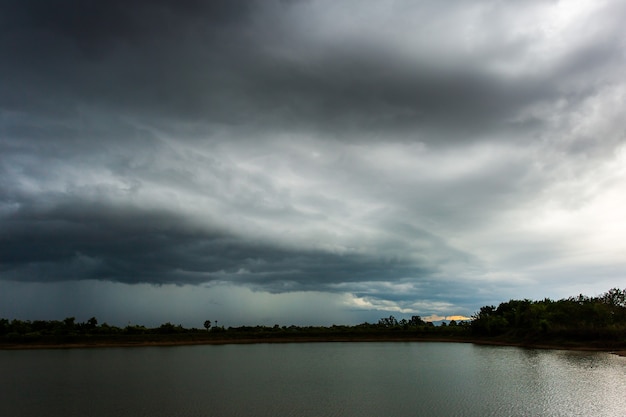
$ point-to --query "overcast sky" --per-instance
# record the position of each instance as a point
(308, 162)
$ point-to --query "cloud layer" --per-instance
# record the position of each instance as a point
(408, 156)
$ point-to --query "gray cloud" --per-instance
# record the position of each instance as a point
(418, 156)
(223, 64)
(65, 239)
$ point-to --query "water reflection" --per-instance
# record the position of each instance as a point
(342, 379)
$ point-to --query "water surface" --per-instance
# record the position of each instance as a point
(312, 379)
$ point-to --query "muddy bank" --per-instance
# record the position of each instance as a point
(594, 346)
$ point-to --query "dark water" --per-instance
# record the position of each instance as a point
(324, 379)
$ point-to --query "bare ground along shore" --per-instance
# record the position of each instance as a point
(619, 349)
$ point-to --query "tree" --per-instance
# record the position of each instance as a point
(4, 326)
(614, 297)
(388, 322)
(207, 325)
(169, 328)
(416, 321)
(70, 324)
(92, 323)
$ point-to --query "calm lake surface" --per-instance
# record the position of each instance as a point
(312, 379)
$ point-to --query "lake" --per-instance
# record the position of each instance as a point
(312, 379)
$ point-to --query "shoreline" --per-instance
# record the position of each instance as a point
(618, 350)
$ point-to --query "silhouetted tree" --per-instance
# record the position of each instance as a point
(388, 322)
(207, 325)
(416, 321)
(614, 297)
(69, 323)
(92, 323)
(4, 326)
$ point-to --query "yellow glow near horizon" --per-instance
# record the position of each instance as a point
(458, 318)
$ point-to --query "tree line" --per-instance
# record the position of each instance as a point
(580, 318)
(574, 318)
(69, 327)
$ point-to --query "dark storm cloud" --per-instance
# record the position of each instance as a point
(62, 238)
(410, 154)
(246, 64)
(118, 54)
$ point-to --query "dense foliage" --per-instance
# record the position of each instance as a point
(576, 319)
(70, 331)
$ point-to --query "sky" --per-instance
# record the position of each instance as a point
(308, 162)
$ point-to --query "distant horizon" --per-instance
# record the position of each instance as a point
(226, 326)
(613, 295)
